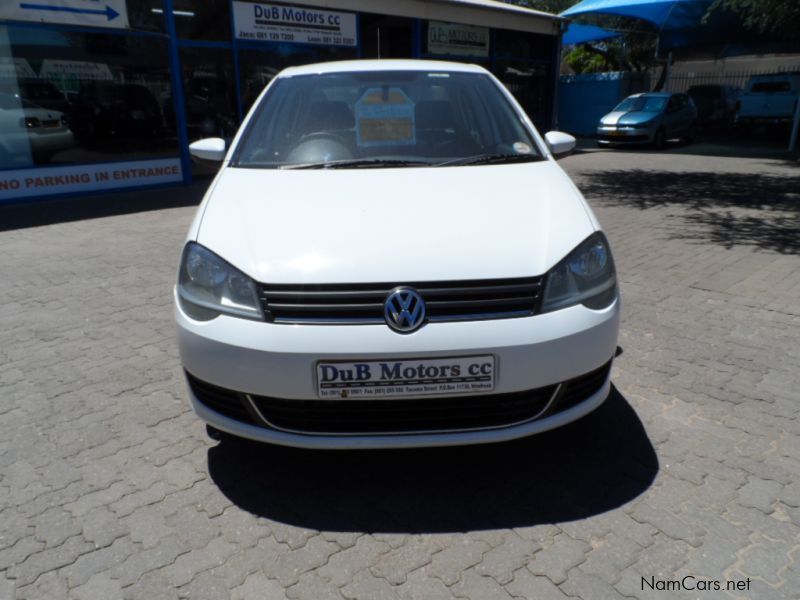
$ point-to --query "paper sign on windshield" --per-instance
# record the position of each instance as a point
(385, 117)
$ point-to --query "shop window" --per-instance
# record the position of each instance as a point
(258, 67)
(209, 98)
(68, 97)
(146, 15)
(519, 44)
(202, 19)
(386, 37)
(530, 84)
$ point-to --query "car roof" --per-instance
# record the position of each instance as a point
(350, 66)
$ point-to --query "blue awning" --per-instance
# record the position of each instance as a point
(671, 14)
(580, 34)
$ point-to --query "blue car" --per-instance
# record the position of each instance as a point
(649, 119)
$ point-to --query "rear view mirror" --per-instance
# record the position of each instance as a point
(560, 143)
(208, 151)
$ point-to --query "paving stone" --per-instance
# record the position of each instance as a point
(419, 586)
(258, 586)
(98, 587)
(312, 585)
(205, 587)
(417, 552)
(151, 587)
(460, 555)
(365, 586)
(290, 565)
(759, 493)
(583, 585)
(501, 561)
(50, 559)
(479, 587)
(527, 585)
(187, 566)
(556, 560)
(342, 565)
(97, 561)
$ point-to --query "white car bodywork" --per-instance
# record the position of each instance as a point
(49, 135)
(400, 225)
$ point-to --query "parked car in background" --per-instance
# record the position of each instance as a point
(716, 104)
(27, 129)
(331, 292)
(649, 119)
(768, 100)
(105, 110)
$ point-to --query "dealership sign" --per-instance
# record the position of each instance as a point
(457, 40)
(27, 183)
(89, 13)
(292, 24)
(78, 69)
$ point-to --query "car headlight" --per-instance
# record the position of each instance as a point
(644, 125)
(208, 286)
(586, 276)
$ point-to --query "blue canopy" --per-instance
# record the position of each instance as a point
(580, 34)
(664, 14)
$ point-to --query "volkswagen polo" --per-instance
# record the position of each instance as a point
(389, 256)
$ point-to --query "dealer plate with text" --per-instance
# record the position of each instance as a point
(407, 377)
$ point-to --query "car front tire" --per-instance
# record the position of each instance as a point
(660, 139)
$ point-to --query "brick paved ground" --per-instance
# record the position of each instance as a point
(109, 487)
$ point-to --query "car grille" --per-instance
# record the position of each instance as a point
(399, 415)
(363, 303)
(623, 138)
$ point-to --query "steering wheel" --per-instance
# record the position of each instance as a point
(319, 146)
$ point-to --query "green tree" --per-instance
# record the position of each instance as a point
(779, 17)
(633, 51)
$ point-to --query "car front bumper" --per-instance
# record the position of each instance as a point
(612, 135)
(256, 359)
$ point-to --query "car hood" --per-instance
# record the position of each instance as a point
(394, 225)
(628, 118)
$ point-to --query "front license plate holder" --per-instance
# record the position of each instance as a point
(403, 377)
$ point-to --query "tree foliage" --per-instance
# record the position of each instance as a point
(778, 17)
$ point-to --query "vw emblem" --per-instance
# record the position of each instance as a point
(404, 310)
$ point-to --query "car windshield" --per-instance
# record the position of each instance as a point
(653, 104)
(384, 119)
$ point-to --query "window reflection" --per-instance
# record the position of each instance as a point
(82, 97)
(210, 99)
(257, 67)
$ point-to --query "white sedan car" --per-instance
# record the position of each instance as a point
(390, 256)
(27, 129)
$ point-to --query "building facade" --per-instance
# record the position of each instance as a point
(97, 95)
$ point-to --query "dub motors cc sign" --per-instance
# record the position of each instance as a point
(293, 24)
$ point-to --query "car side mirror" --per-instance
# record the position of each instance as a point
(208, 151)
(560, 143)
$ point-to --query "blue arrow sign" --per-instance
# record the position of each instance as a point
(109, 12)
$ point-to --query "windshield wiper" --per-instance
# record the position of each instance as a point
(358, 163)
(489, 159)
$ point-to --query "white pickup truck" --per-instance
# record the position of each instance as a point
(769, 99)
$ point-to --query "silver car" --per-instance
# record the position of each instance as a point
(649, 119)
